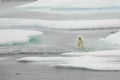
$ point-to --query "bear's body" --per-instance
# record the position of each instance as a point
(80, 42)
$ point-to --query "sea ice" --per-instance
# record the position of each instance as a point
(11, 36)
(73, 3)
(73, 6)
(112, 39)
(61, 24)
(103, 60)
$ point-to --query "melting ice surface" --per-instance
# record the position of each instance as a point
(51, 39)
(103, 60)
(15, 36)
(113, 39)
(73, 5)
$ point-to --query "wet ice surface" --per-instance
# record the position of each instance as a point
(57, 41)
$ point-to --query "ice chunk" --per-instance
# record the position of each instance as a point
(11, 36)
(112, 39)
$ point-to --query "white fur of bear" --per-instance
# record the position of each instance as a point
(80, 42)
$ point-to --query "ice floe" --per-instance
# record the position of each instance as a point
(113, 39)
(13, 36)
(81, 5)
(104, 60)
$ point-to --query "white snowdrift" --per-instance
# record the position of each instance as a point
(62, 24)
(88, 60)
(73, 3)
(113, 39)
(11, 36)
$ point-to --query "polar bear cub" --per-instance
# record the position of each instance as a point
(81, 42)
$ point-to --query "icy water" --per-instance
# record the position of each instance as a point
(51, 45)
(59, 41)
